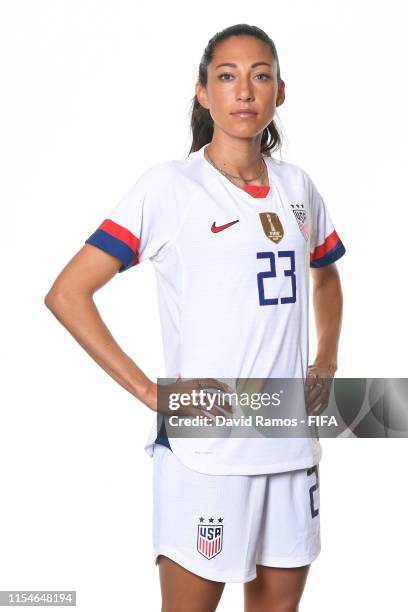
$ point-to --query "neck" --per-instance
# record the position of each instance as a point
(240, 157)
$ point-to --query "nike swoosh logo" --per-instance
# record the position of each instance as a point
(216, 229)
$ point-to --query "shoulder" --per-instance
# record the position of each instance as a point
(289, 171)
(170, 178)
(163, 190)
(158, 172)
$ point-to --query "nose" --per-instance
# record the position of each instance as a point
(244, 92)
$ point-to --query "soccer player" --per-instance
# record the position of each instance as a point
(233, 235)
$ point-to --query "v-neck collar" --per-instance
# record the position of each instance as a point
(257, 191)
(263, 192)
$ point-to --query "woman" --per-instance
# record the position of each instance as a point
(232, 234)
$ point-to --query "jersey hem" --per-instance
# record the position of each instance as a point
(265, 468)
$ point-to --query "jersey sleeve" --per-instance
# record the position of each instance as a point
(134, 230)
(325, 244)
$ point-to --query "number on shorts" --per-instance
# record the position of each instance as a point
(313, 488)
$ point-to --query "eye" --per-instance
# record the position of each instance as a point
(228, 74)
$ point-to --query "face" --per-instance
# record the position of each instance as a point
(248, 81)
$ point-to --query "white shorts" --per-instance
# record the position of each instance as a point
(220, 526)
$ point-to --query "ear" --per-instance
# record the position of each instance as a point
(201, 94)
(280, 98)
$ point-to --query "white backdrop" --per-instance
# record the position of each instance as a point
(94, 92)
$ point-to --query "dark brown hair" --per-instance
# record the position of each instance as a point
(202, 125)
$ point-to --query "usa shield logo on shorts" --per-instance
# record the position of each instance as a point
(209, 539)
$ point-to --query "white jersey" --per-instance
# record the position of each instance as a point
(232, 270)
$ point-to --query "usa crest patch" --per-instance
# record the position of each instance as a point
(301, 218)
(210, 537)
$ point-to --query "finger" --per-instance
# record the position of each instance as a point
(314, 393)
(229, 409)
(216, 410)
(311, 377)
(315, 402)
(209, 421)
(188, 386)
(226, 405)
(320, 382)
(320, 405)
(315, 399)
(192, 411)
(310, 387)
(319, 411)
(209, 414)
(217, 384)
(213, 383)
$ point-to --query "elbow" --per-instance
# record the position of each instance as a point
(48, 299)
(52, 300)
(62, 298)
(58, 299)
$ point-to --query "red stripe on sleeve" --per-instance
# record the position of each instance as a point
(135, 260)
(121, 233)
(321, 249)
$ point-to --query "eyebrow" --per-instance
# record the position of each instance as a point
(253, 65)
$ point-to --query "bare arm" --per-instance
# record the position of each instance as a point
(328, 308)
(70, 299)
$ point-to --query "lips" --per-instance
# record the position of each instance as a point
(244, 111)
